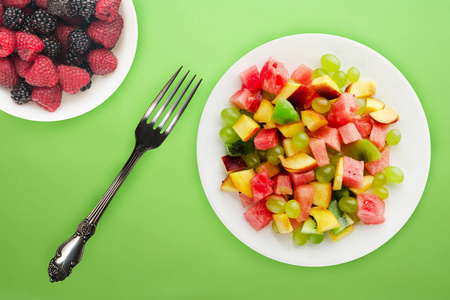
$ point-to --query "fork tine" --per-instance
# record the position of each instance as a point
(169, 98)
(174, 105)
(160, 96)
(182, 108)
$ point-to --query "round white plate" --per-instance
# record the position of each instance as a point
(412, 157)
(102, 86)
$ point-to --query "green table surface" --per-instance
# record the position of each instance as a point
(160, 238)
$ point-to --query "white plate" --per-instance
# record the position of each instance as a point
(412, 154)
(102, 86)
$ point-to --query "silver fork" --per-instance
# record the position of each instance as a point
(148, 137)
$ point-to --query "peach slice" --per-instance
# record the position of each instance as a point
(326, 87)
(313, 120)
(288, 89)
(241, 180)
(322, 193)
(385, 116)
(367, 183)
(298, 163)
(324, 218)
(228, 185)
(283, 223)
(373, 104)
(363, 88)
(246, 127)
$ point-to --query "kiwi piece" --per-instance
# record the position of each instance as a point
(362, 150)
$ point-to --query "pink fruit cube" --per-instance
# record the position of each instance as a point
(342, 111)
(349, 133)
(304, 194)
(378, 165)
(254, 102)
(319, 151)
(274, 76)
(266, 139)
(240, 99)
(364, 125)
(282, 185)
(378, 134)
(353, 172)
(261, 185)
(370, 209)
(251, 79)
(330, 135)
(302, 178)
(303, 74)
(258, 216)
(245, 200)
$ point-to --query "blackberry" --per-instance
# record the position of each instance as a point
(79, 41)
(85, 8)
(21, 93)
(74, 59)
(86, 67)
(52, 47)
(58, 7)
(27, 25)
(13, 18)
(43, 22)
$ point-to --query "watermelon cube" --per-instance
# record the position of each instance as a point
(282, 185)
(319, 151)
(274, 76)
(349, 133)
(254, 102)
(330, 135)
(378, 165)
(303, 97)
(251, 79)
(261, 185)
(304, 194)
(353, 173)
(378, 134)
(266, 139)
(245, 200)
(240, 99)
(343, 110)
(370, 209)
(258, 216)
(303, 74)
(364, 125)
(302, 178)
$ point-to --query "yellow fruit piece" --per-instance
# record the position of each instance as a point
(322, 193)
(339, 175)
(361, 89)
(283, 223)
(367, 183)
(228, 185)
(289, 130)
(324, 218)
(246, 127)
(290, 148)
(313, 120)
(271, 169)
(270, 125)
(241, 180)
(385, 116)
(326, 87)
(288, 89)
(341, 235)
(373, 104)
(264, 112)
(298, 163)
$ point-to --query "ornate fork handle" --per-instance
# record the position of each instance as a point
(69, 253)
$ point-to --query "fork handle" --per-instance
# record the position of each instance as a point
(69, 253)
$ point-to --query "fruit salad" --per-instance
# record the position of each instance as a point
(308, 152)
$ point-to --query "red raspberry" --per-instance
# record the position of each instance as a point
(42, 73)
(7, 42)
(22, 67)
(42, 3)
(16, 3)
(107, 10)
(28, 45)
(73, 78)
(102, 61)
(106, 33)
(47, 98)
(62, 32)
(8, 75)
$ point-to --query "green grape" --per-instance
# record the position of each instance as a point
(334, 159)
(379, 179)
(330, 63)
(321, 105)
(353, 74)
(348, 204)
(230, 116)
(273, 153)
(228, 135)
(276, 206)
(394, 174)
(361, 105)
(300, 139)
(319, 73)
(292, 209)
(393, 137)
(252, 160)
(340, 78)
(316, 238)
(261, 154)
(299, 237)
(381, 192)
(324, 174)
(274, 227)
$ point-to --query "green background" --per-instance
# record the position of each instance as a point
(160, 238)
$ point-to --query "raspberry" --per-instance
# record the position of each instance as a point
(8, 75)
(107, 10)
(21, 93)
(72, 78)
(42, 73)
(47, 98)
(62, 33)
(102, 61)
(52, 48)
(106, 33)
(42, 3)
(58, 7)
(16, 3)
(13, 18)
(79, 41)
(28, 45)
(85, 8)
(21, 66)
(43, 22)
(7, 42)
